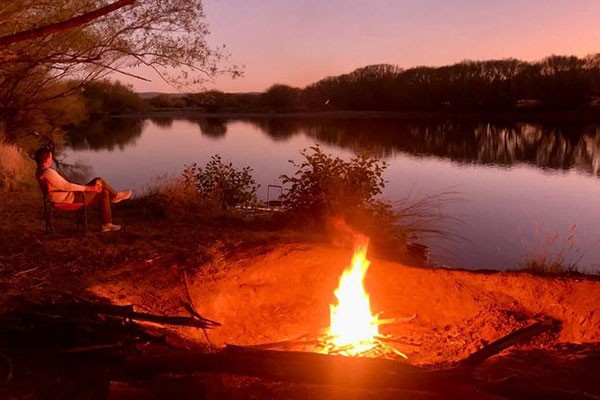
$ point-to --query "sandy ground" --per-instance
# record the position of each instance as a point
(266, 285)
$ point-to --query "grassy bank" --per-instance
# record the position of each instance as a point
(16, 169)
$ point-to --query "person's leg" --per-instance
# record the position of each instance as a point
(102, 200)
(105, 187)
(115, 196)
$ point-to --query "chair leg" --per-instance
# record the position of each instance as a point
(84, 211)
(48, 219)
(77, 220)
(82, 219)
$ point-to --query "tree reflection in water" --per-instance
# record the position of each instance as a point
(563, 146)
(106, 134)
(552, 146)
(211, 127)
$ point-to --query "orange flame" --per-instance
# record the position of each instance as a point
(353, 328)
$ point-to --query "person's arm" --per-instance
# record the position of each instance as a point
(60, 183)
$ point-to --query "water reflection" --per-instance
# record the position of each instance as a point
(163, 122)
(107, 134)
(281, 129)
(211, 127)
(551, 146)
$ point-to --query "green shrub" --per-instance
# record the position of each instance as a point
(324, 185)
(342, 197)
(222, 183)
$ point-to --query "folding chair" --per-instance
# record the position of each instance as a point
(50, 208)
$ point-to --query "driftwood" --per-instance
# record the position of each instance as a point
(329, 369)
(519, 336)
(84, 308)
(299, 367)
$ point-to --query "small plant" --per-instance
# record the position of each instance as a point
(551, 254)
(325, 185)
(225, 185)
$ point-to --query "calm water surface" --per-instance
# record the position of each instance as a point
(524, 188)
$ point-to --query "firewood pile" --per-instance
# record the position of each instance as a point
(121, 345)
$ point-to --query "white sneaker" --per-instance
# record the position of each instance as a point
(110, 227)
(122, 195)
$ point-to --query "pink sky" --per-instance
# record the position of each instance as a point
(301, 41)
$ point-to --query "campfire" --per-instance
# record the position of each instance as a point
(353, 326)
(354, 330)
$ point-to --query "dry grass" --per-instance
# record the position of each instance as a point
(551, 253)
(16, 170)
(170, 197)
(420, 217)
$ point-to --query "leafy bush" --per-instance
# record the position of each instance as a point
(222, 183)
(324, 185)
(343, 195)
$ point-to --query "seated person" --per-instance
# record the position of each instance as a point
(96, 193)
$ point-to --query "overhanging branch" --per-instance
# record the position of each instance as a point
(63, 25)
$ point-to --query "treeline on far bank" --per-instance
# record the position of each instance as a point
(556, 82)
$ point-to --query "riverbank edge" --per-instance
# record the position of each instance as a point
(587, 115)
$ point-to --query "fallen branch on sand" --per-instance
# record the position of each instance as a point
(519, 336)
(110, 330)
(317, 368)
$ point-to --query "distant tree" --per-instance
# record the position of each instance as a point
(373, 87)
(211, 101)
(591, 65)
(111, 97)
(282, 97)
(562, 82)
(165, 100)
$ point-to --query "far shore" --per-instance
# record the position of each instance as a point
(520, 115)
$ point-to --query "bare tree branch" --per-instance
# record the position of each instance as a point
(63, 25)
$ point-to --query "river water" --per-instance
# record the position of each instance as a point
(512, 190)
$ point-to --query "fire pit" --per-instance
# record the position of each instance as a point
(354, 329)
